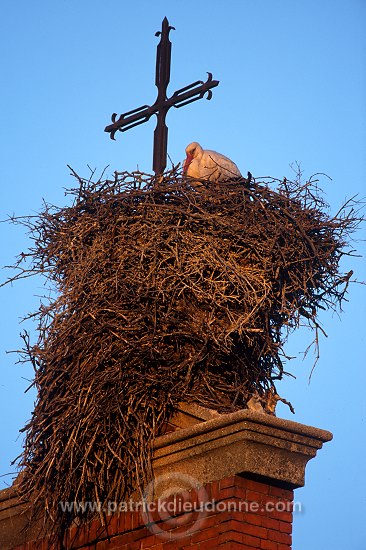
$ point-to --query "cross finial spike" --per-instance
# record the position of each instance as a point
(165, 28)
(181, 97)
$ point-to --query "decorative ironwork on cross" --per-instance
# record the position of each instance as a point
(160, 108)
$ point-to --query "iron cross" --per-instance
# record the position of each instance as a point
(160, 108)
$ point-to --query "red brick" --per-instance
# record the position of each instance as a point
(136, 520)
(237, 488)
(174, 522)
(241, 481)
(242, 508)
(254, 530)
(215, 490)
(113, 524)
(171, 544)
(182, 532)
(275, 506)
(251, 518)
(156, 528)
(254, 496)
(209, 533)
(211, 513)
(161, 543)
(247, 528)
(235, 546)
(202, 494)
(131, 536)
(230, 536)
(126, 538)
(228, 492)
(231, 514)
(79, 536)
(147, 517)
(268, 545)
(197, 496)
(271, 523)
(284, 494)
(241, 492)
(128, 521)
(93, 529)
(272, 501)
(284, 538)
(228, 482)
(119, 542)
(285, 527)
(252, 506)
(257, 486)
(208, 489)
(205, 523)
(169, 498)
(283, 547)
(134, 546)
(115, 543)
(121, 526)
(71, 534)
(184, 496)
(229, 505)
(251, 541)
(149, 541)
(233, 536)
(282, 516)
(210, 544)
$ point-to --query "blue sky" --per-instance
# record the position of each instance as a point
(292, 88)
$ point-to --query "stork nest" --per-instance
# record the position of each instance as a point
(165, 292)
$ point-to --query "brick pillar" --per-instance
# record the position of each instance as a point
(221, 481)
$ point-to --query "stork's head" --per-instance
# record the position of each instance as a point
(192, 150)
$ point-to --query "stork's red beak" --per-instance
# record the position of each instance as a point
(187, 162)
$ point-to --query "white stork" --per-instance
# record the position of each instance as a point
(208, 165)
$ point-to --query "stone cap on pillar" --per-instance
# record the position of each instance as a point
(243, 442)
(205, 446)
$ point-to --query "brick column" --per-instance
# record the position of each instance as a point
(221, 481)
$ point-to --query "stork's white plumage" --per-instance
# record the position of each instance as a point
(208, 165)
